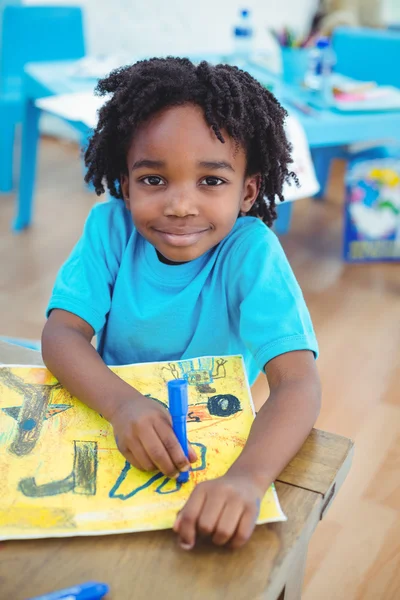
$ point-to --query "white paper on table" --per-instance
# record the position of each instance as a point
(83, 107)
(80, 107)
(96, 67)
(302, 163)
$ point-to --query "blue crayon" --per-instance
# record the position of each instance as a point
(91, 590)
(178, 407)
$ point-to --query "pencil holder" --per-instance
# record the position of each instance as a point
(295, 63)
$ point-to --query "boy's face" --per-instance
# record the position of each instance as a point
(185, 188)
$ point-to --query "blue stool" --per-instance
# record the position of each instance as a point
(30, 34)
(368, 54)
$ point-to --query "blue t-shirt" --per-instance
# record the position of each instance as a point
(240, 297)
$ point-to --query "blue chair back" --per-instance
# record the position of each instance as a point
(37, 34)
(368, 54)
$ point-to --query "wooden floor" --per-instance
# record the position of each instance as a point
(355, 552)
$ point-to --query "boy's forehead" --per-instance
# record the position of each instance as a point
(180, 129)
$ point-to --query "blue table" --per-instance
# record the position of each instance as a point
(326, 130)
(329, 131)
(332, 127)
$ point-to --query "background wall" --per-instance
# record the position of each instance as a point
(179, 26)
(391, 11)
(136, 28)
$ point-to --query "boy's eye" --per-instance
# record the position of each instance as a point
(152, 180)
(212, 181)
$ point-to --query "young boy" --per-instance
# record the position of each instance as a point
(182, 263)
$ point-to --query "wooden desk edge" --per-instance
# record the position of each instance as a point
(313, 468)
(338, 482)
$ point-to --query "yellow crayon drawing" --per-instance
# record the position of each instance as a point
(62, 474)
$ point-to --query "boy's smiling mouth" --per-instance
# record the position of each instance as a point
(181, 236)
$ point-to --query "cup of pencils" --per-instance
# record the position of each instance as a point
(295, 56)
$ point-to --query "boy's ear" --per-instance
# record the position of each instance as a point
(124, 181)
(250, 192)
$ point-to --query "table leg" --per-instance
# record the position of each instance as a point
(27, 176)
(7, 134)
(282, 223)
(294, 584)
(322, 158)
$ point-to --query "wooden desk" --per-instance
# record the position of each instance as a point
(150, 566)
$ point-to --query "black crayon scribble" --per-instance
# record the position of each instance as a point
(221, 362)
(82, 479)
(156, 400)
(172, 369)
(205, 388)
(35, 409)
(193, 418)
(159, 490)
(223, 405)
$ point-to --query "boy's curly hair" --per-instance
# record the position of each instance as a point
(231, 100)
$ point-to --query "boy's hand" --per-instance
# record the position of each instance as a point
(225, 509)
(144, 435)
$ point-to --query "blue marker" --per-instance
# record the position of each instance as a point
(86, 591)
(178, 407)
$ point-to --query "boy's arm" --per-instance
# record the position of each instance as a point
(142, 427)
(227, 508)
(68, 353)
(285, 420)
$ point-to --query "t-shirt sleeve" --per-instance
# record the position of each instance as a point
(274, 318)
(85, 282)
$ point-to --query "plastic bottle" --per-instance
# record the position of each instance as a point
(321, 63)
(243, 38)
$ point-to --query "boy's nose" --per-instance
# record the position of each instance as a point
(180, 205)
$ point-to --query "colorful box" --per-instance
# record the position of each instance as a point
(372, 207)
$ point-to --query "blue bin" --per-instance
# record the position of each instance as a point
(294, 64)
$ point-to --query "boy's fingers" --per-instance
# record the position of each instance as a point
(140, 457)
(155, 447)
(133, 461)
(177, 522)
(210, 514)
(172, 447)
(192, 454)
(244, 529)
(188, 519)
(228, 522)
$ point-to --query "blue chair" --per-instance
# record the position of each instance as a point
(368, 54)
(30, 34)
(365, 54)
